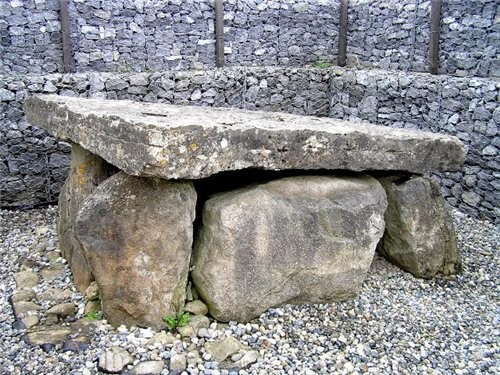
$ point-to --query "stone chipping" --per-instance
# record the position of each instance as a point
(398, 324)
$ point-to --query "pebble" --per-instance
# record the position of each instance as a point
(178, 362)
(398, 324)
(62, 310)
(147, 368)
(114, 360)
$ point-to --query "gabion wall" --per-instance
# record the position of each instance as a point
(159, 35)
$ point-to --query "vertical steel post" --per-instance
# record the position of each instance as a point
(342, 46)
(66, 42)
(219, 33)
(434, 37)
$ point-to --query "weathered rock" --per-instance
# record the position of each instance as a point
(114, 360)
(193, 358)
(178, 362)
(196, 307)
(54, 255)
(162, 338)
(62, 310)
(147, 368)
(419, 235)
(220, 350)
(26, 279)
(76, 345)
(30, 321)
(92, 307)
(247, 359)
(193, 325)
(87, 171)
(92, 292)
(151, 139)
(55, 294)
(86, 327)
(293, 240)
(49, 335)
(23, 308)
(137, 236)
(52, 272)
(23, 295)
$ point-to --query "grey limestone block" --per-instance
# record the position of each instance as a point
(308, 239)
(87, 171)
(160, 140)
(137, 236)
(419, 235)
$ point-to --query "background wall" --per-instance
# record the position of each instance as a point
(157, 35)
(395, 35)
(30, 36)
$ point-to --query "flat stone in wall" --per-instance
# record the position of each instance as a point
(296, 91)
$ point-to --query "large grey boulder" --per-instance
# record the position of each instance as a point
(293, 240)
(175, 142)
(137, 236)
(419, 235)
(87, 171)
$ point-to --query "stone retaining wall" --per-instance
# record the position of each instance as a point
(158, 35)
(34, 165)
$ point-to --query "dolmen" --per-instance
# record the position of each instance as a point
(255, 209)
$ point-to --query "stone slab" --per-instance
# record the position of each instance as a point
(137, 235)
(86, 172)
(308, 239)
(178, 142)
(419, 234)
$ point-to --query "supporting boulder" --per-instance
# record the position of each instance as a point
(419, 235)
(87, 171)
(293, 240)
(137, 236)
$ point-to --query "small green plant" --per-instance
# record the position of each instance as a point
(322, 64)
(174, 321)
(94, 315)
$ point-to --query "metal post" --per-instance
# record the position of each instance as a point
(219, 33)
(66, 42)
(342, 46)
(434, 37)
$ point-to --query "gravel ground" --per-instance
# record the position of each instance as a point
(398, 324)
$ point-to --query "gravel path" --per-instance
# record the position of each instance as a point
(399, 324)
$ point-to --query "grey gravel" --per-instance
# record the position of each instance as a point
(399, 324)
